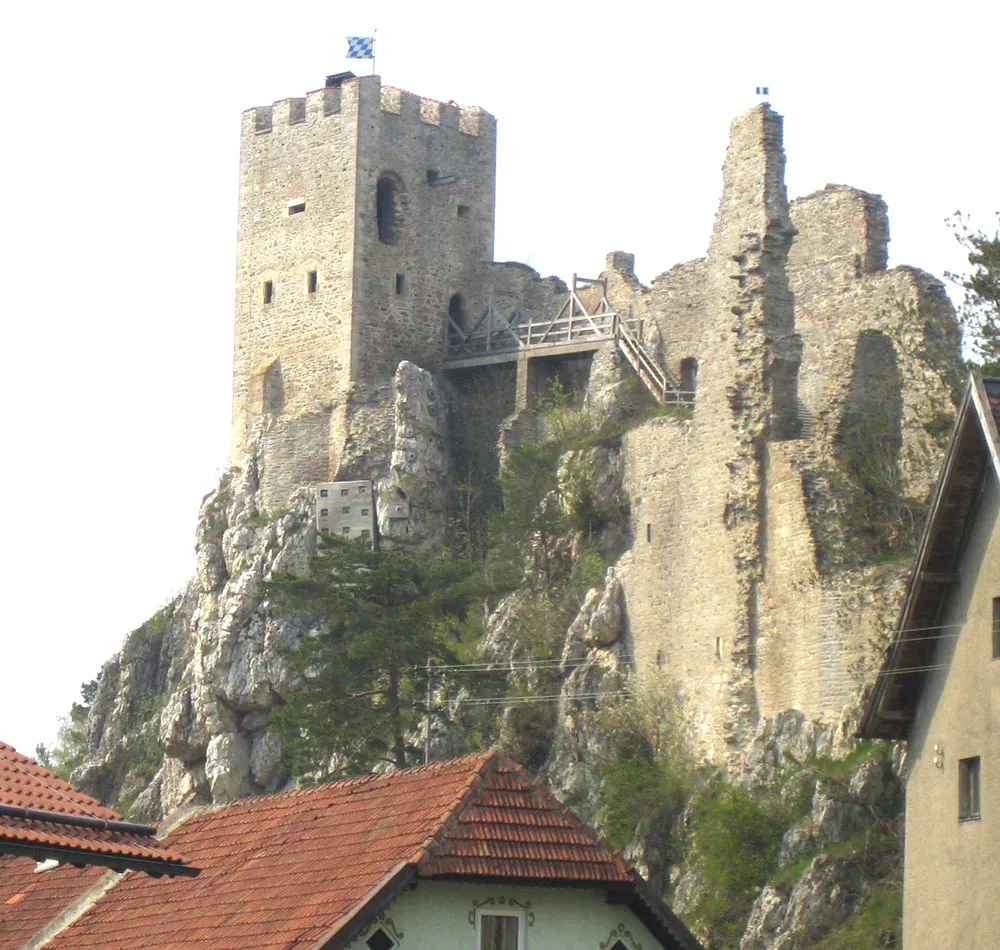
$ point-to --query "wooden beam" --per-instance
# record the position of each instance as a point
(939, 577)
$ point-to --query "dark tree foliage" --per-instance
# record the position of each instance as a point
(379, 616)
(979, 311)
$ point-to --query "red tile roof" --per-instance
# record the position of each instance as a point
(28, 901)
(42, 816)
(298, 869)
(510, 828)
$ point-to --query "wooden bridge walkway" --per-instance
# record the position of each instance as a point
(507, 332)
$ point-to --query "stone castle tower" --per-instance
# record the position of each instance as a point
(363, 211)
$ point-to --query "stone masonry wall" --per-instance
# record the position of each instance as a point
(295, 152)
(444, 161)
(795, 325)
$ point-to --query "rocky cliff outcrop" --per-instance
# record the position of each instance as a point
(183, 709)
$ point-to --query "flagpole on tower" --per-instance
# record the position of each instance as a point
(374, 38)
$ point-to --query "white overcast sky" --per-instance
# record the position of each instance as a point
(120, 154)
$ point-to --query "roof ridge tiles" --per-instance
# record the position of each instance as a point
(455, 807)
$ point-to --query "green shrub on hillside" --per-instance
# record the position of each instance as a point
(736, 838)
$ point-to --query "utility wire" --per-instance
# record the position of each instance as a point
(520, 700)
(494, 667)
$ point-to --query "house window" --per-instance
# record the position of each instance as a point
(996, 628)
(268, 292)
(311, 282)
(968, 788)
(464, 211)
(323, 493)
(324, 512)
(362, 490)
(344, 492)
(345, 510)
(364, 512)
(366, 532)
(297, 208)
(380, 940)
(345, 530)
(500, 931)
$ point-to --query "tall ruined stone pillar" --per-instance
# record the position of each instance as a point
(757, 356)
(697, 488)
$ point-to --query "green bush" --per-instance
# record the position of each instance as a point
(736, 840)
(647, 778)
(879, 923)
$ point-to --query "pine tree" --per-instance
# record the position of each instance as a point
(979, 311)
(379, 616)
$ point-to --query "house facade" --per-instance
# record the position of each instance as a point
(939, 689)
(455, 915)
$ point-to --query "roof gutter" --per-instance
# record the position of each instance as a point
(80, 857)
(77, 821)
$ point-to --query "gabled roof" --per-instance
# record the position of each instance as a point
(973, 454)
(43, 817)
(310, 868)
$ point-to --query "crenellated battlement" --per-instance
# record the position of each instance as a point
(472, 120)
(318, 104)
(344, 97)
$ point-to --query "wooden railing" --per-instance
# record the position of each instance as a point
(506, 328)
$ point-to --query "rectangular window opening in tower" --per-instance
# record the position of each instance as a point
(268, 292)
(464, 211)
(311, 282)
(401, 284)
(297, 207)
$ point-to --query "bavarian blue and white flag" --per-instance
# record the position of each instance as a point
(361, 47)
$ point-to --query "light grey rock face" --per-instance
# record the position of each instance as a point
(822, 898)
(227, 766)
(184, 708)
(784, 741)
(418, 470)
(596, 666)
(601, 620)
(198, 681)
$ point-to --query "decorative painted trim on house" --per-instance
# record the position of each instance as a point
(385, 922)
(623, 934)
(502, 902)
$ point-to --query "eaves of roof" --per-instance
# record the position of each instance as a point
(973, 453)
(43, 817)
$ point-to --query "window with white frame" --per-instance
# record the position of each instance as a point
(500, 929)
